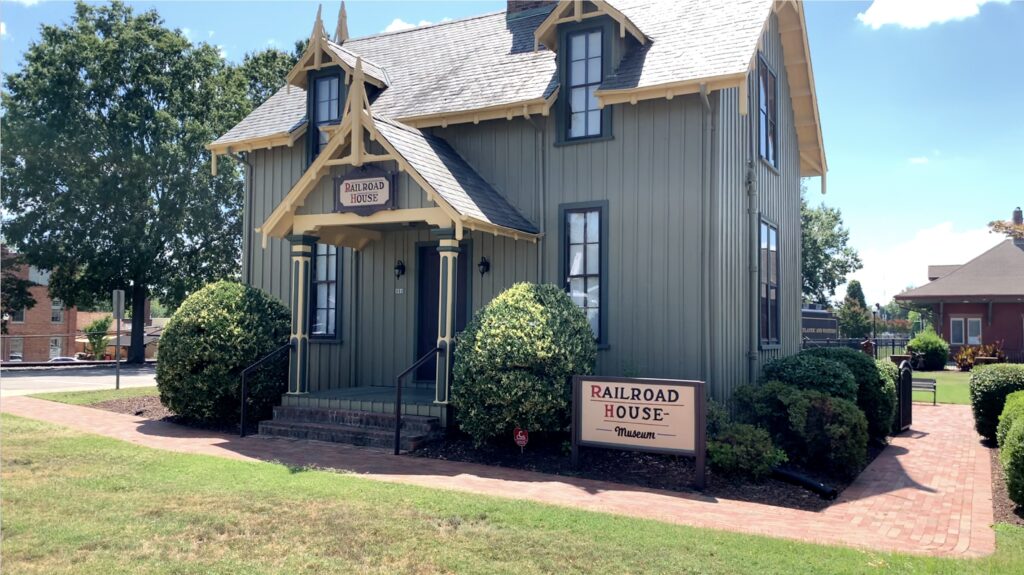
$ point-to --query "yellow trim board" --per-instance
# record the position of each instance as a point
(262, 142)
(546, 32)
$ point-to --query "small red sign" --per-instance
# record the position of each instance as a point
(521, 436)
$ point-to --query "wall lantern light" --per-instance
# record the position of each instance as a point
(484, 266)
(399, 269)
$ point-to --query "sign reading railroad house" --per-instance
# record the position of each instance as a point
(656, 415)
(364, 191)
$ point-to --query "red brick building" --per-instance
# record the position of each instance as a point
(45, 331)
(981, 301)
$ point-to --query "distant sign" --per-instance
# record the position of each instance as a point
(655, 415)
(818, 324)
(521, 437)
(364, 191)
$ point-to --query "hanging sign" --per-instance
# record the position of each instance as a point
(364, 191)
(653, 415)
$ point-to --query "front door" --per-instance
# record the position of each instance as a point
(428, 298)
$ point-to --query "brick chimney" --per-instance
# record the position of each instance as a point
(515, 7)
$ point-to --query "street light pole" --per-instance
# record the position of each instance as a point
(118, 305)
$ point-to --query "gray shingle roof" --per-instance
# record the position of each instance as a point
(999, 272)
(369, 68)
(690, 40)
(452, 177)
(936, 272)
(283, 112)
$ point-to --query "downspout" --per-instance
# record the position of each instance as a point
(710, 213)
(353, 339)
(247, 219)
(752, 228)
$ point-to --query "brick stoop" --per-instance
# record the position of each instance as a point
(350, 426)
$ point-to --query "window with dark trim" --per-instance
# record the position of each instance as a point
(584, 245)
(768, 113)
(324, 108)
(584, 73)
(56, 311)
(324, 296)
(18, 316)
(769, 280)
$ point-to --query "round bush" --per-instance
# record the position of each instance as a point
(215, 334)
(810, 372)
(743, 450)
(873, 397)
(1013, 410)
(825, 433)
(934, 348)
(514, 360)
(989, 386)
(1011, 455)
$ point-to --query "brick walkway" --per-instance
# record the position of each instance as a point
(930, 492)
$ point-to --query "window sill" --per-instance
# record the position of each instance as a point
(576, 141)
(770, 166)
(324, 339)
(770, 346)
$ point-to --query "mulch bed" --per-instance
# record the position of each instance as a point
(149, 407)
(671, 473)
(1005, 510)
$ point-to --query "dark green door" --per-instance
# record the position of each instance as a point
(428, 296)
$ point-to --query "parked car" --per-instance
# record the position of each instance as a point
(62, 360)
(15, 357)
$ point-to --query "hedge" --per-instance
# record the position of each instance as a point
(874, 397)
(513, 362)
(1011, 456)
(215, 334)
(1013, 410)
(743, 450)
(810, 372)
(934, 348)
(989, 386)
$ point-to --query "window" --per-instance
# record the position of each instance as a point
(17, 350)
(324, 109)
(769, 294)
(325, 292)
(584, 73)
(974, 330)
(56, 311)
(18, 316)
(768, 110)
(55, 347)
(956, 331)
(584, 259)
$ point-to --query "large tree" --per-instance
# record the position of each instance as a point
(14, 289)
(827, 257)
(853, 316)
(106, 176)
(264, 71)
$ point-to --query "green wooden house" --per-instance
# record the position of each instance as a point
(645, 155)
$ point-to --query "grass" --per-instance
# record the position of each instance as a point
(97, 396)
(951, 386)
(77, 503)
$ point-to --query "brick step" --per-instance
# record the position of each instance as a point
(361, 436)
(413, 424)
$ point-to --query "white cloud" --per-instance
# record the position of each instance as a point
(209, 33)
(26, 2)
(889, 270)
(918, 160)
(917, 14)
(222, 51)
(3, 28)
(271, 42)
(398, 24)
(187, 33)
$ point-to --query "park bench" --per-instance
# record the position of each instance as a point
(925, 385)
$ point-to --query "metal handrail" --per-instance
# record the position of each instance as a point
(245, 386)
(398, 392)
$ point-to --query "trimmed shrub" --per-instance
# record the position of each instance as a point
(989, 386)
(810, 372)
(513, 362)
(873, 397)
(717, 418)
(826, 433)
(933, 347)
(1013, 410)
(215, 334)
(1011, 456)
(743, 450)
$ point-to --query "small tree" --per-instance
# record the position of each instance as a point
(96, 332)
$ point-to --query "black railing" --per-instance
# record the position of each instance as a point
(398, 392)
(245, 384)
(883, 346)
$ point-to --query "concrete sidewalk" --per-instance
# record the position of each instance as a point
(929, 493)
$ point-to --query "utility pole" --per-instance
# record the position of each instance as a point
(118, 305)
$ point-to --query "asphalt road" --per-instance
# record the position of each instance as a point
(25, 381)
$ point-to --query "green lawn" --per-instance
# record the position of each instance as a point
(98, 396)
(76, 503)
(951, 386)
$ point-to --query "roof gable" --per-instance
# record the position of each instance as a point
(997, 273)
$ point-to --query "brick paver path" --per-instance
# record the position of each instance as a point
(930, 492)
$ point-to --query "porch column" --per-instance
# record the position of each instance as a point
(448, 248)
(302, 254)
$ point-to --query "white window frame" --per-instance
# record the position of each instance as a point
(20, 347)
(59, 347)
(56, 311)
(963, 332)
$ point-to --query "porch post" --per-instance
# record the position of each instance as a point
(302, 254)
(448, 248)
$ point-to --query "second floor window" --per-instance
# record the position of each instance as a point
(585, 72)
(324, 308)
(768, 112)
(18, 316)
(57, 311)
(769, 296)
(325, 109)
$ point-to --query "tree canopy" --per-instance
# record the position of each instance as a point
(827, 258)
(14, 289)
(106, 174)
(853, 315)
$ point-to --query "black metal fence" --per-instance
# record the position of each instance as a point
(883, 346)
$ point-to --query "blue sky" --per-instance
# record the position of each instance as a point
(919, 104)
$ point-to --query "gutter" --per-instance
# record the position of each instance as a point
(708, 238)
(753, 214)
(247, 219)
